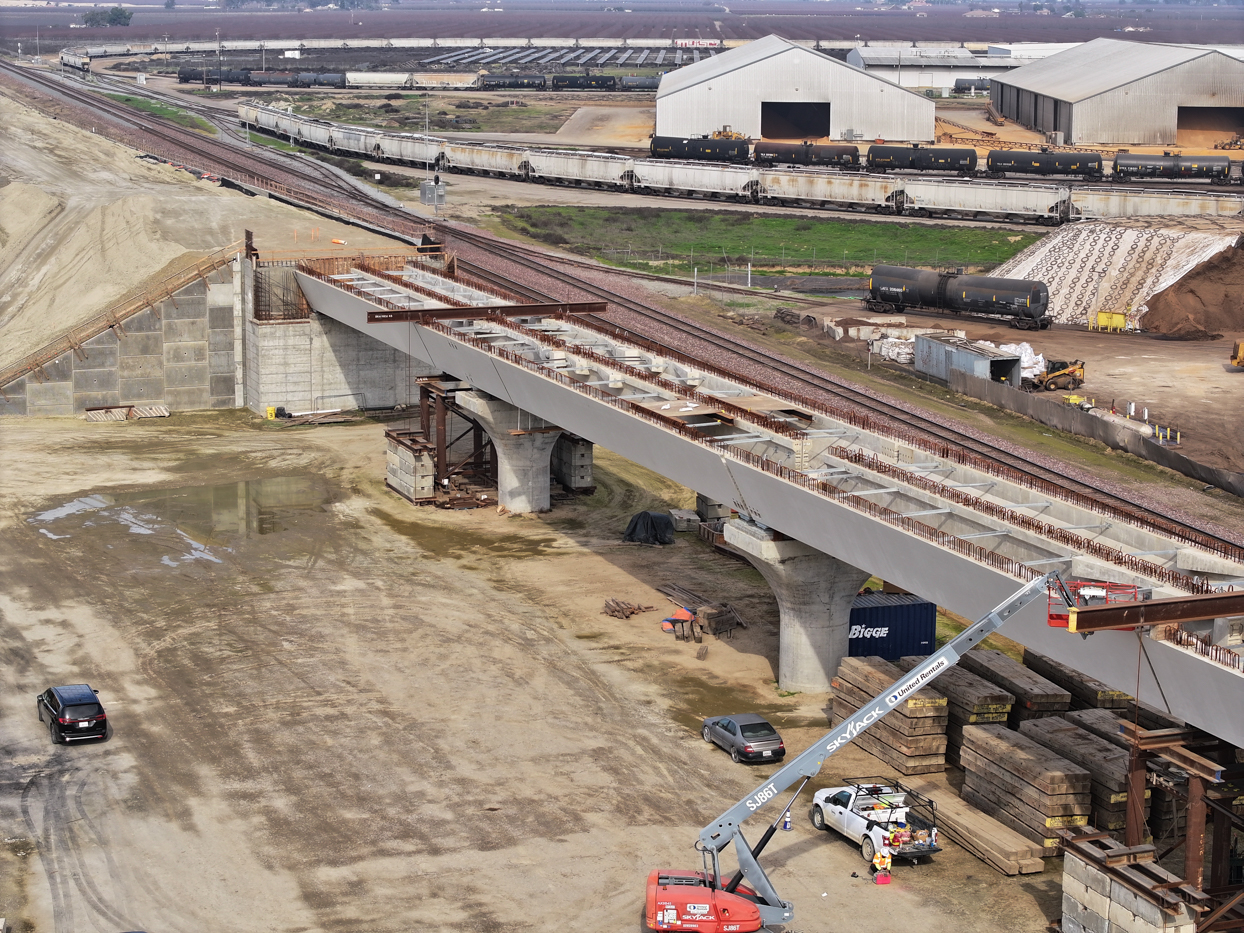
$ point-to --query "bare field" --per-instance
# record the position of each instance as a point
(334, 711)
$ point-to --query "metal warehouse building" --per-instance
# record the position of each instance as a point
(928, 68)
(1108, 92)
(774, 89)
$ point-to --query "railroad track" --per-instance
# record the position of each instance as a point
(990, 457)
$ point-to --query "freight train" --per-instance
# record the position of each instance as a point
(945, 160)
(411, 80)
(911, 196)
(1023, 302)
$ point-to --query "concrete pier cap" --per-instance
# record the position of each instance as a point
(524, 445)
(814, 594)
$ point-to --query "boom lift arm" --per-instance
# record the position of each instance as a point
(727, 827)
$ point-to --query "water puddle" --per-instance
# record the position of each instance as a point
(192, 523)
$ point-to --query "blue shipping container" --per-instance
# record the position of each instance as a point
(891, 626)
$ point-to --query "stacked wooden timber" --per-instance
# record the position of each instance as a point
(1023, 784)
(912, 737)
(969, 700)
(1102, 723)
(983, 836)
(1086, 692)
(1106, 763)
(1150, 717)
(1035, 697)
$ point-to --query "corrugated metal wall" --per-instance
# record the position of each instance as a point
(857, 101)
(1144, 112)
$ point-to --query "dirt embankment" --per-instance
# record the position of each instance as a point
(1205, 303)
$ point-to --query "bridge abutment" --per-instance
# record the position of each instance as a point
(524, 446)
(814, 594)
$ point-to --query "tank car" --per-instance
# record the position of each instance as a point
(1129, 165)
(767, 153)
(268, 78)
(1023, 301)
(967, 85)
(922, 159)
(584, 82)
(1020, 162)
(489, 82)
(636, 83)
(709, 150)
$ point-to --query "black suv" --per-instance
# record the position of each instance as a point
(72, 713)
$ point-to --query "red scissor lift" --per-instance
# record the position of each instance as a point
(1083, 593)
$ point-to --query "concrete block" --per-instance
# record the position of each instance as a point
(107, 338)
(97, 358)
(221, 317)
(141, 367)
(84, 400)
(220, 340)
(15, 389)
(49, 411)
(185, 331)
(195, 289)
(220, 295)
(57, 394)
(221, 386)
(188, 374)
(1095, 901)
(185, 352)
(187, 309)
(144, 322)
(147, 391)
(96, 380)
(224, 402)
(1071, 926)
(1124, 901)
(220, 362)
(1088, 875)
(141, 345)
(684, 519)
(59, 369)
(1088, 920)
(13, 405)
(709, 509)
(192, 399)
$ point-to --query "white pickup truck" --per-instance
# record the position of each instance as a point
(877, 812)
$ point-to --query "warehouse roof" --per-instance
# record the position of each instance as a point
(890, 55)
(1099, 66)
(751, 54)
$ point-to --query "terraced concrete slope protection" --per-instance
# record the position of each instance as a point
(1118, 266)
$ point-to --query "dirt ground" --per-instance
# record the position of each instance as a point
(331, 710)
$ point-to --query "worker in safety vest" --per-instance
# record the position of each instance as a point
(881, 860)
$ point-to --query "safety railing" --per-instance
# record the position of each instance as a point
(1219, 654)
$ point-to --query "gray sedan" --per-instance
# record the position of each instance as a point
(747, 737)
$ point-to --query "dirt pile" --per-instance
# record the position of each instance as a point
(1203, 304)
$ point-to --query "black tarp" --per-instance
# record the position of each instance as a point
(650, 528)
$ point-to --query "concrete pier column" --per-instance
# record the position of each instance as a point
(523, 443)
(814, 595)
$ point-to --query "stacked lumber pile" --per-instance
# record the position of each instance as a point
(912, 737)
(1023, 785)
(1150, 717)
(1105, 762)
(983, 836)
(712, 618)
(621, 609)
(1102, 723)
(1035, 697)
(969, 700)
(1086, 692)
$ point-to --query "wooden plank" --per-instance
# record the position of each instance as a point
(1102, 723)
(1049, 806)
(972, 829)
(998, 774)
(1107, 763)
(927, 719)
(905, 765)
(1019, 715)
(965, 716)
(1150, 717)
(969, 690)
(1022, 756)
(1092, 691)
(874, 675)
(903, 744)
(1049, 843)
(1030, 688)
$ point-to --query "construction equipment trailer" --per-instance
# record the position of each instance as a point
(682, 899)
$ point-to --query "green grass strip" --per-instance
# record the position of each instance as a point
(158, 109)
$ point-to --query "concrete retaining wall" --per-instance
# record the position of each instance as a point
(1093, 902)
(181, 352)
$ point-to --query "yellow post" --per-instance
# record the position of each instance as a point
(272, 413)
